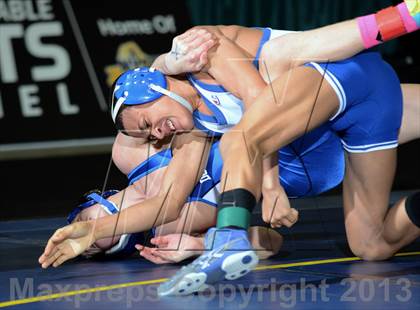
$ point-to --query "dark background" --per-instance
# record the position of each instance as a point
(51, 185)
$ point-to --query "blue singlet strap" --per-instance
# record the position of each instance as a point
(154, 162)
(109, 206)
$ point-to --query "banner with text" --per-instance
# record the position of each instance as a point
(58, 59)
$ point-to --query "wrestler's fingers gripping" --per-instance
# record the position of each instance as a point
(292, 216)
(161, 241)
(191, 43)
(276, 224)
(295, 214)
(200, 53)
(277, 215)
(193, 57)
(277, 219)
(203, 60)
(286, 222)
(208, 44)
(184, 35)
(195, 35)
(203, 52)
(199, 40)
(185, 42)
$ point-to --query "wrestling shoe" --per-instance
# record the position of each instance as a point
(229, 255)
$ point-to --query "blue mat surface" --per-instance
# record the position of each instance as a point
(314, 269)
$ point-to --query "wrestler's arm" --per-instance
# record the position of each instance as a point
(166, 205)
(188, 53)
(333, 42)
(226, 60)
(329, 43)
(125, 159)
(74, 239)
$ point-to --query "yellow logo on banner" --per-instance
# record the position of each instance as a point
(129, 56)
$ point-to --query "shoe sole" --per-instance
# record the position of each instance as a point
(234, 267)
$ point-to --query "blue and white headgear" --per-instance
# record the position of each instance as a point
(126, 243)
(140, 86)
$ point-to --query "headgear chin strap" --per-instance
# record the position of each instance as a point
(140, 86)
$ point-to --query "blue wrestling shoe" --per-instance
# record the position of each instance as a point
(231, 258)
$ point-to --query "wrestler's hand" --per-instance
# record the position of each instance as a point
(172, 248)
(66, 243)
(189, 51)
(276, 209)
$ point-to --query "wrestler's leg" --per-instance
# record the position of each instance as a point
(274, 63)
(374, 232)
(267, 125)
(272, 122)
(410, 127)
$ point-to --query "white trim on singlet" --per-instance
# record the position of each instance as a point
(370, 147)
(336, 85)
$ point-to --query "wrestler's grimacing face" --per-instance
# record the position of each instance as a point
(157, 119)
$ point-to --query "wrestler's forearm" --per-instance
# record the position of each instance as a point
(126, 197)
(140, 217)
(345, 39)
(330, 43)
(270, 172)
(166, 205)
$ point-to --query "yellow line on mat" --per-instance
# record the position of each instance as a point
(148, 282)
(77, 292)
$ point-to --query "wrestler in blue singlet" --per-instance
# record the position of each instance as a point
(308, 166)
(368, 89)
(368, 119)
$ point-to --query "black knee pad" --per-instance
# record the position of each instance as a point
(412, 206)
(238, 198)
(235, 208)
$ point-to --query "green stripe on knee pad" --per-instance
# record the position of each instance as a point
(233, 216)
